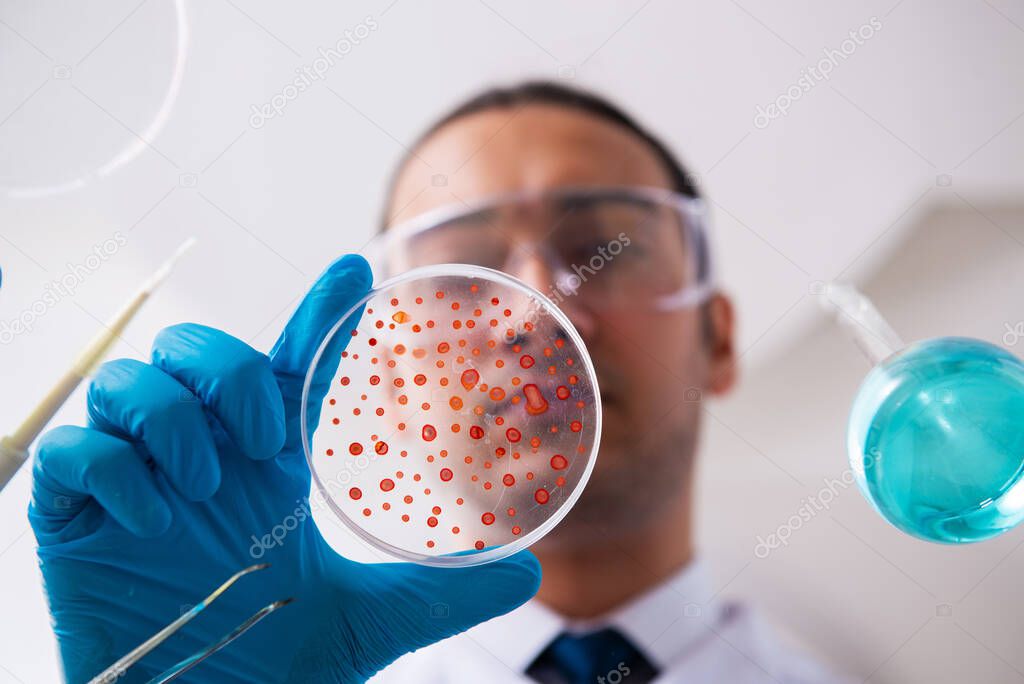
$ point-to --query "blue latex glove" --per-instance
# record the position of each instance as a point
(187, 463)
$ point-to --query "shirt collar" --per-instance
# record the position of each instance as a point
(518, 637)
(662, 623)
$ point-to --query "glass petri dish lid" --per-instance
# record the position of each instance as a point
(452, 417)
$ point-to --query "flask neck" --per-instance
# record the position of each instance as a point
(860, 319)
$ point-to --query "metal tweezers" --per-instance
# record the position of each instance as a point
(117, 670)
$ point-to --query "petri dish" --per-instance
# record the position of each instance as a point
(452, 417)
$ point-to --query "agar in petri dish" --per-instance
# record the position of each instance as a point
(461, 420)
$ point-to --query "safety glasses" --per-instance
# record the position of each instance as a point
(607, 247)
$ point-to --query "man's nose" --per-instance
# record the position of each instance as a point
(532, 267)
(542, 273)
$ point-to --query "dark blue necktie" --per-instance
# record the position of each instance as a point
(604, 656)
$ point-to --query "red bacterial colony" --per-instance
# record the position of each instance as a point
(499, 431)
(469, 378)
(536, 404)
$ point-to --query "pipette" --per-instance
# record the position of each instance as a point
(934, 437)
(14, 447)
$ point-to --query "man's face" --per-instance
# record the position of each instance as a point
(653, 366)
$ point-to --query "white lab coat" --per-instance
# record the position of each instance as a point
(678, 625)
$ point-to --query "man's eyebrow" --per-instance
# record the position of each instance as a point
(585, 201)
(482, 215)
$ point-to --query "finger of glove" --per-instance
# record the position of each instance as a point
(465, 596)
(338, 289)
(134, 399)
(231, 379)
(75, 465)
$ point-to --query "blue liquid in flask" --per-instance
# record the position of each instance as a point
(936, 439)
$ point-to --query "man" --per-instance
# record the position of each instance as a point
(623, 597)
(188, 462)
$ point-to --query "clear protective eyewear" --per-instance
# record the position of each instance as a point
(608, 247)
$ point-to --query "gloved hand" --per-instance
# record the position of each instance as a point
(187, 463)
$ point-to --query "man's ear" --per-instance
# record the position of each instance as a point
(719, 340)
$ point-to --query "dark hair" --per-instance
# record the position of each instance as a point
(550, 93)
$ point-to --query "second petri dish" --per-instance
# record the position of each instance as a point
(452, 417)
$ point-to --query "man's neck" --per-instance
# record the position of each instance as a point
(590, 580)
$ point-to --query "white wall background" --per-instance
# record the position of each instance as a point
(903, 172)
